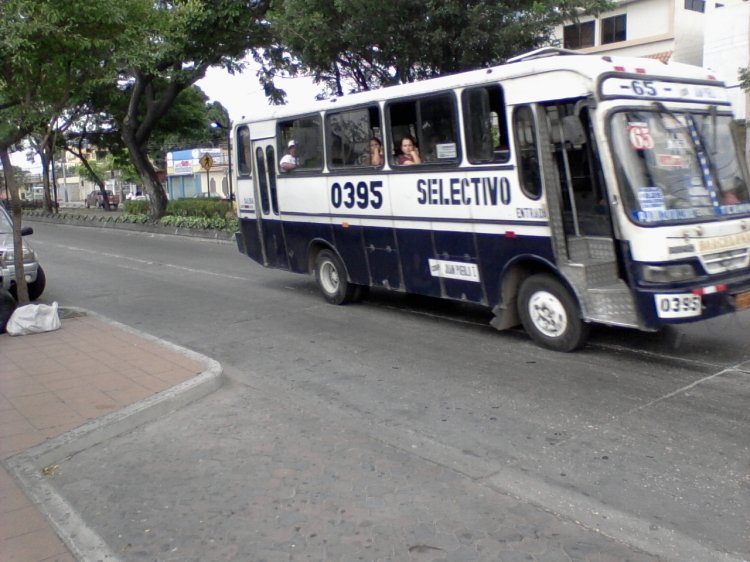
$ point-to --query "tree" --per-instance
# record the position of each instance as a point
(744, 75)
(179, 41)
(186, 124)
(51, 52)
(19, 175)
(372, 44)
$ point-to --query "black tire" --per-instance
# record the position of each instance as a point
(330, 275)
(360, 293)
(550, 314)
(88, 205)
(37, 287)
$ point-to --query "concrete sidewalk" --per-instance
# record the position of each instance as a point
(64, 391)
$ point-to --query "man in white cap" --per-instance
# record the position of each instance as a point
(290, 160)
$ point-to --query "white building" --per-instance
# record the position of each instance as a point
(726, 47)
(713, 34)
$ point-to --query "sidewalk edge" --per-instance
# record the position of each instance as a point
(28, 467)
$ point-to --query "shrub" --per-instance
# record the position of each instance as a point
(133, 218)
(205, 223)
(136, 207)
(207, 208)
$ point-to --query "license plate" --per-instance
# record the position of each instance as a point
(681, 305)
(742, 301)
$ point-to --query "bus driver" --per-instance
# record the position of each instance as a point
(290, 160)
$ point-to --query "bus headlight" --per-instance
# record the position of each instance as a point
(667, 273)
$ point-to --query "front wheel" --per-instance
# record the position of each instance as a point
(550, 315)
(37, 287)
(330, 275)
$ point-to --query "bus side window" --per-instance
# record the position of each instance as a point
(307, 134)
(348, 135)
(486, 127)
(244, 151)
(271, 161)
(431, 122)
(263, 184)
(527, 150)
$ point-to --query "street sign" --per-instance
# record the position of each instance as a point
(206, 162)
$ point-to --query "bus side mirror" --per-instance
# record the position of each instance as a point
(26, 230)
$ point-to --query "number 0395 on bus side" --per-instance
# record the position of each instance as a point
(681, 305)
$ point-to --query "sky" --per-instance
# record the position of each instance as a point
(239, 93)
(242, 94)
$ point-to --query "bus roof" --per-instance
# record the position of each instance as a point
(537, 62)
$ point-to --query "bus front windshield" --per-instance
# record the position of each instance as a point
(678, 167)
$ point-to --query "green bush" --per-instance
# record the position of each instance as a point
(136, 207)
(205, 223)
(207, 208)
(133, 218)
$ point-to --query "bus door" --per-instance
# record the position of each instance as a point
(270, 227)
(579, 213)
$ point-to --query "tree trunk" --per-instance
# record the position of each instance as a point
(151, 183)
(47, 200)
(22, 290)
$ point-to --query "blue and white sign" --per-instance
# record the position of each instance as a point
(454, 270)
(659, 89)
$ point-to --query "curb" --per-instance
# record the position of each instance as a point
(32, 466)
(133, 227)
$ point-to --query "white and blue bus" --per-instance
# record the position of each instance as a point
(559, 190)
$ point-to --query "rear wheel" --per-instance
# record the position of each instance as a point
(330, 275)
(550, 314)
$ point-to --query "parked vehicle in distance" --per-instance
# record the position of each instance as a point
(211, 195)
(35, 278)
(95, 199)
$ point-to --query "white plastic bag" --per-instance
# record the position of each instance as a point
(33, 319)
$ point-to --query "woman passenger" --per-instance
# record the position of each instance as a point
(376, 152)
(408, 153)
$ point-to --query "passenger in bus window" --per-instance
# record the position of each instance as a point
(408, 152)
(376, 152)
(290, 160)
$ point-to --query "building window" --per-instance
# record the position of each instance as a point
(614, 29)
(578, 35)
(696, 5)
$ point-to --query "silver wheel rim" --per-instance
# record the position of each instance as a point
(329, 277)
(548, 314)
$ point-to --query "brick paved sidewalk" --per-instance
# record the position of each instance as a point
(53, 382)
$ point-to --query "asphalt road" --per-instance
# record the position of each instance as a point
(642, 437)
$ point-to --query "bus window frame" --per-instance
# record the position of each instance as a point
(534, 196)
(503, 127)
(244, 151)
(369, 107)
(282, 143)
(392, 158)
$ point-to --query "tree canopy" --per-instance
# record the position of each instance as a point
(179, 41)
(51, 53)
(371, 44)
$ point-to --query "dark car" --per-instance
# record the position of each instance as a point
(33, 272)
